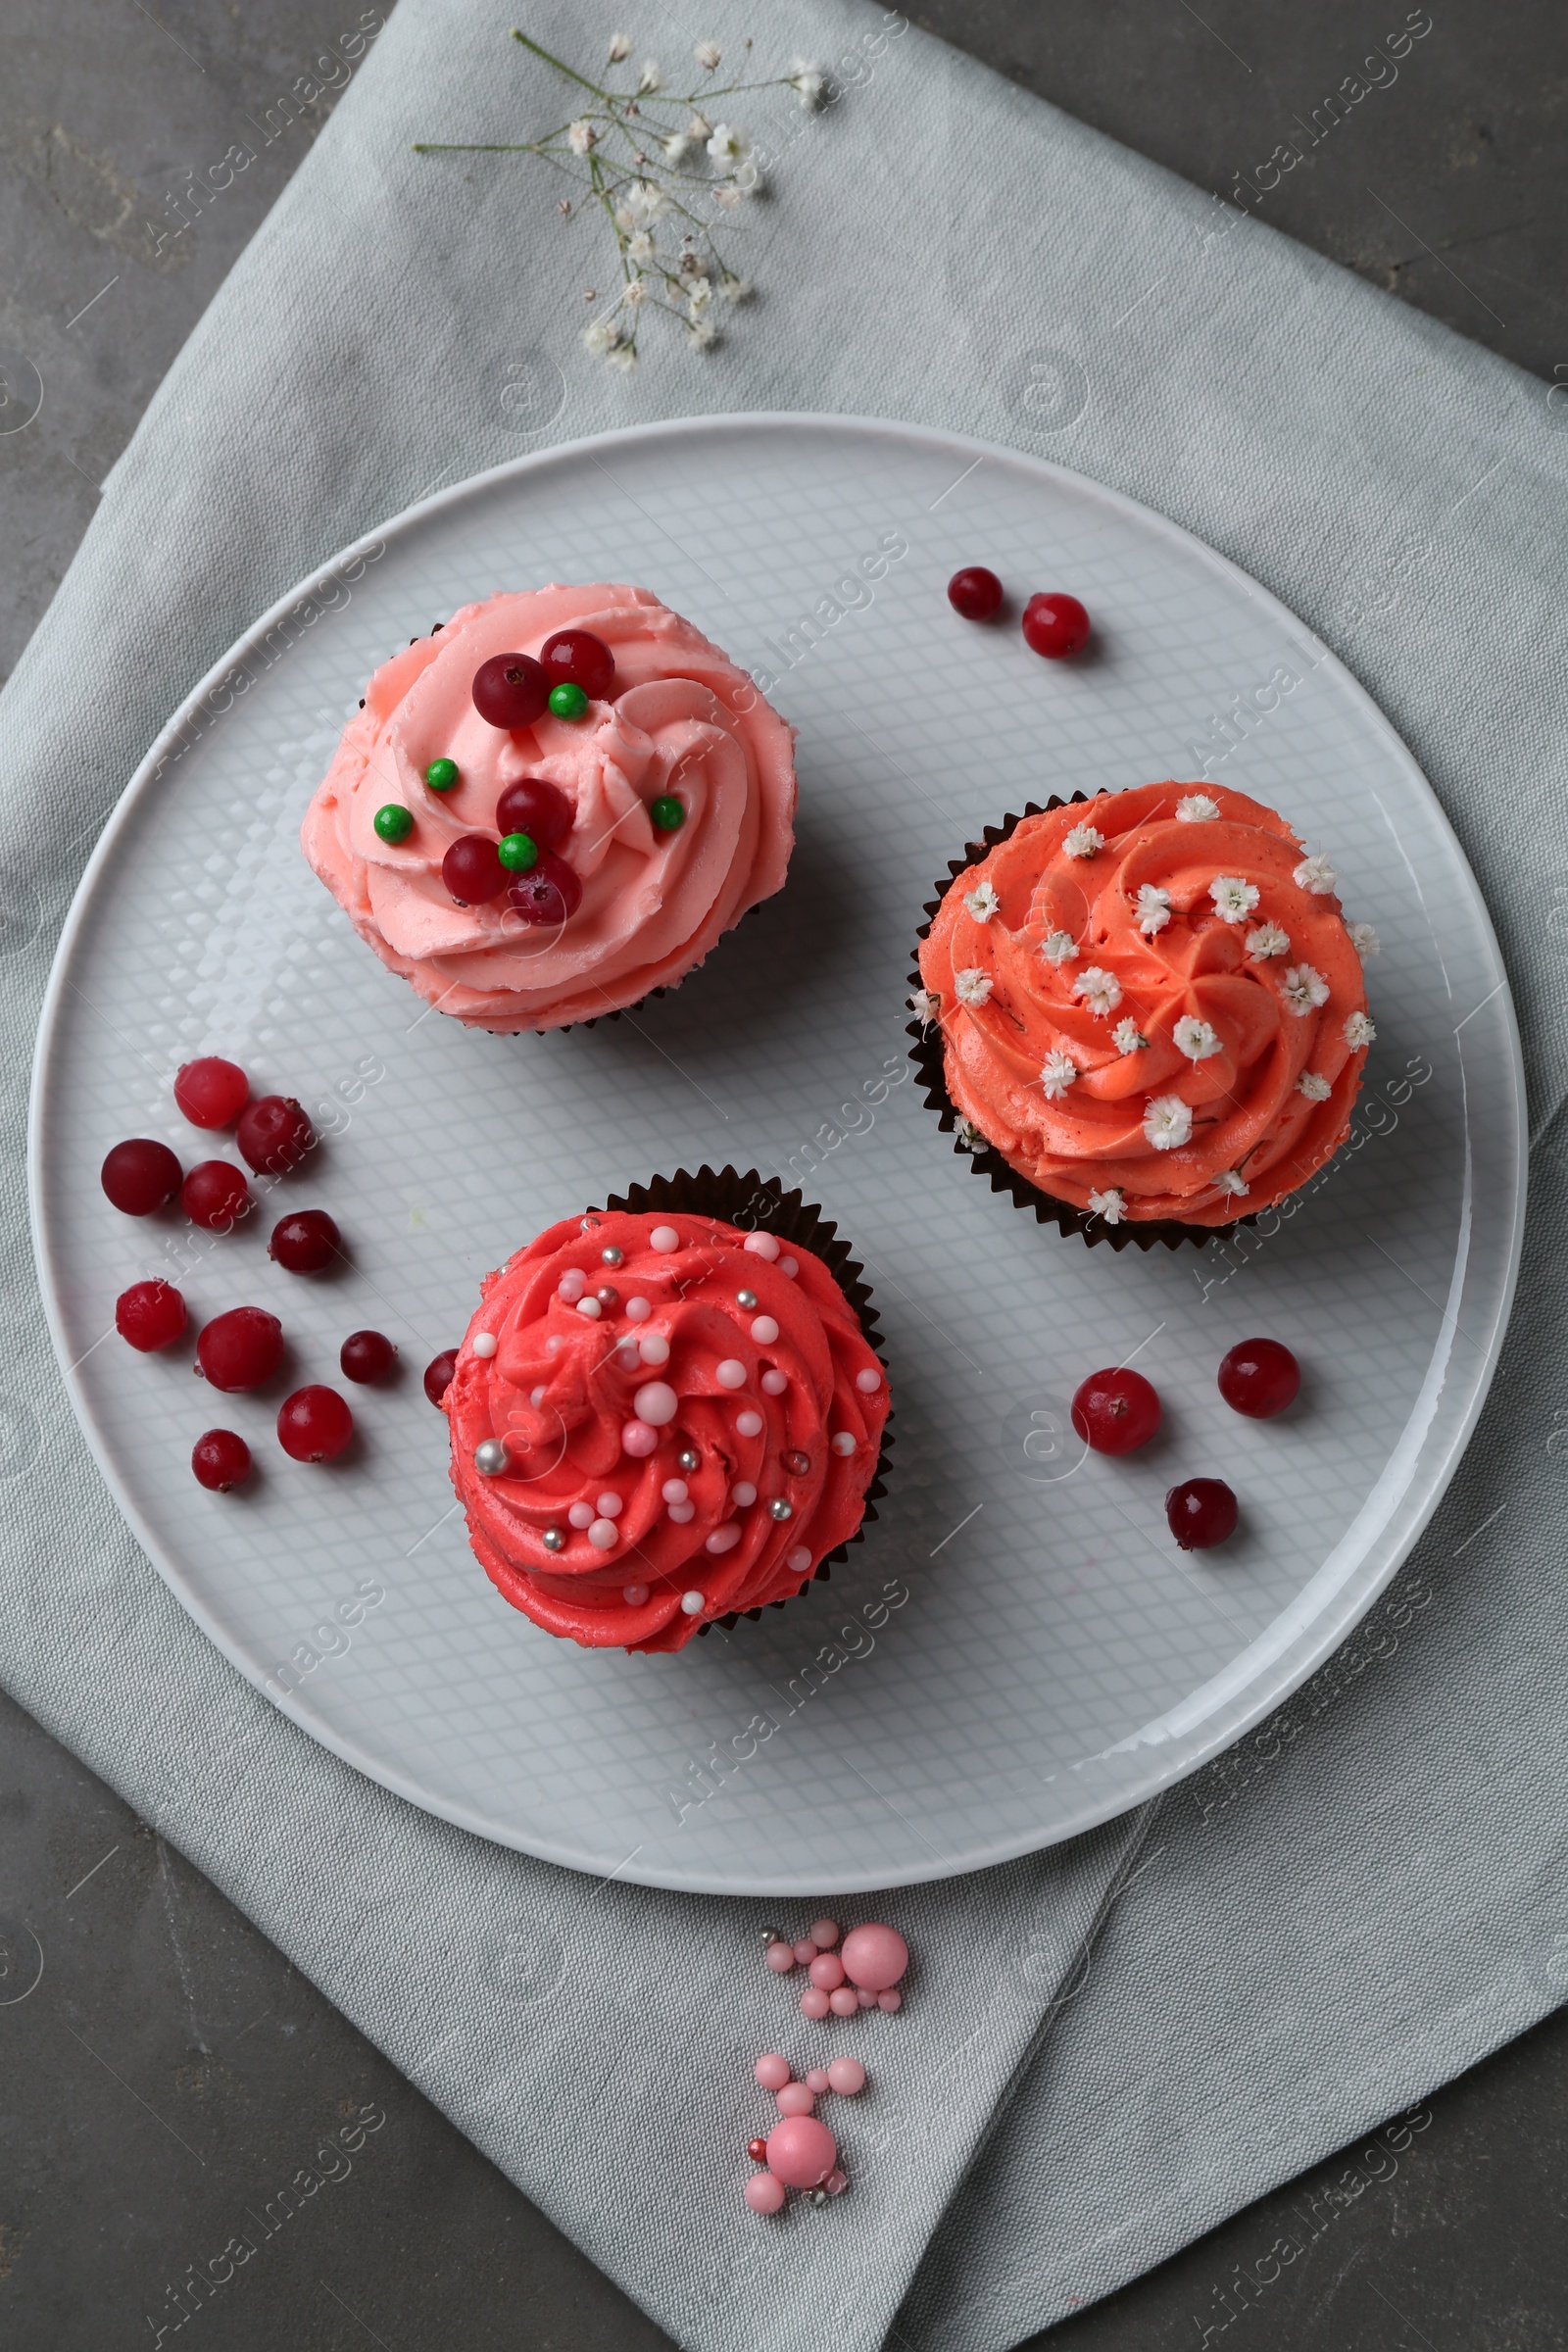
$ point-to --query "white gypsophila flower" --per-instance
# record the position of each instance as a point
(601, 336)
(1083, 841)
(1168, 1123)
(1128, 1038)
(675, 147)
(926, 1005)
(620, 47)
(1059, 948)
(1058, 1072)
(702, 332)
(1316, 875)
(1194, 1037)
(640, 248)
(1315, 1087)
(699, 128)
(706, 54)
(644, 203)
(1364, 940)
(972, 986)
(635, 293)
(807, 82)
(623, 356)
(698, 294)
(1358, 1032)
(982, 902)
(1100, 990)
(733, 288)
(1111, 1205)
(1197, 809)
(728, 144)
(650, 78)
(1266, 941)
(1304, 989)
(1153, 908)
(1230, 1182)
(1234, 899)
(581, 136)
(968, 1135)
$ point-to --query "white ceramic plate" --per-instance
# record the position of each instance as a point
(1018, 1649)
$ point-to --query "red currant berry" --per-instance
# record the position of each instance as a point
(1260, 1378)
(150, 1316)
(472, 871)
(577, 657)
(438, 1374)
(756, 2150)
(221, 1461)
(212, 1093)
(1117, 1413)
(273, 1135)
(313, 1425)
(548, 893)
(1056, 626)
(366, 1355)
(974, 593)
(1200, 1512)
(140, 1176)
(240, 1349)
(541, 811)
(305, 1243)
(214, 1196)
(511, 691)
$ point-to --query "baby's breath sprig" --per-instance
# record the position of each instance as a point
(666, 170)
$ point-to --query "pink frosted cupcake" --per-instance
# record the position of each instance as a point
(554, 806)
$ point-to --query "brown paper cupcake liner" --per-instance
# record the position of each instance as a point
(758, 1204)
(984, 1158)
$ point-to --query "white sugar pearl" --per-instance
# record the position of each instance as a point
(537, 1395)
(634, 1596)
(774, 1383)
(666, 1238)
(764, 1331)
(870, 1381)
(656, 1403)
(762, 1244)
(627, 1357)
(731, 1373)
(843, 1443)
(484, 1343)
(581, 1514)
(790, 1266)
(639, 1310)
(749, 1425)
(571, 1285)
(693, 1603)
(723, 1539)
(601, 1534)
(554, 1344)
(610, 1507)
(743, 1493)
(675, 1490)
(798, 1560)
(591, 1308)
(684, 1513)
(652, 1348)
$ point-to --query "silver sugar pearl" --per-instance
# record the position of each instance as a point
(767, 1935)
(612, 1256)
(555, 1539)
(689, 1458)
(778, 1509)
(608, 1294)
(746, 1298)
(796, 1462)
(491, 1458)
(817, 2196)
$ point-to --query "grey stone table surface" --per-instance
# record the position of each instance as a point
(164, 2070)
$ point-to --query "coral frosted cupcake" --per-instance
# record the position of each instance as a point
(555, 805)
(1146, 1010)
(659, 1418)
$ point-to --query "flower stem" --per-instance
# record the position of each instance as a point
(559, 68)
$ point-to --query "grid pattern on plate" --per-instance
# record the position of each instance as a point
(1002, 1659)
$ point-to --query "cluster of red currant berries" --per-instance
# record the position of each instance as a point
(1117, 1411)
(1054, 624)
(242, 1348)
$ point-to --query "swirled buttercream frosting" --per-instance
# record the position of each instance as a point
(677, 722)
(657, 1419)
(1150, 1004)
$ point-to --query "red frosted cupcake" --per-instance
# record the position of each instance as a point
(659, 1418)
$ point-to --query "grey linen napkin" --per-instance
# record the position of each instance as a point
(1364, 1897)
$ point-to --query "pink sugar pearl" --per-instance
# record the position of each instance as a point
(824, 1934)
(843, 2002)
(847, 2076)
(815, 2002)
(889, 2001)
(818, 2081)
(874, 1956)
(772, 2070)
(836, 2182)
(827, 1970)
(805, 1952)
(802, 2151)
(780, 1958)
(639, 1439)
(764, 2194)
(795, 2099)
(866, 1999)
